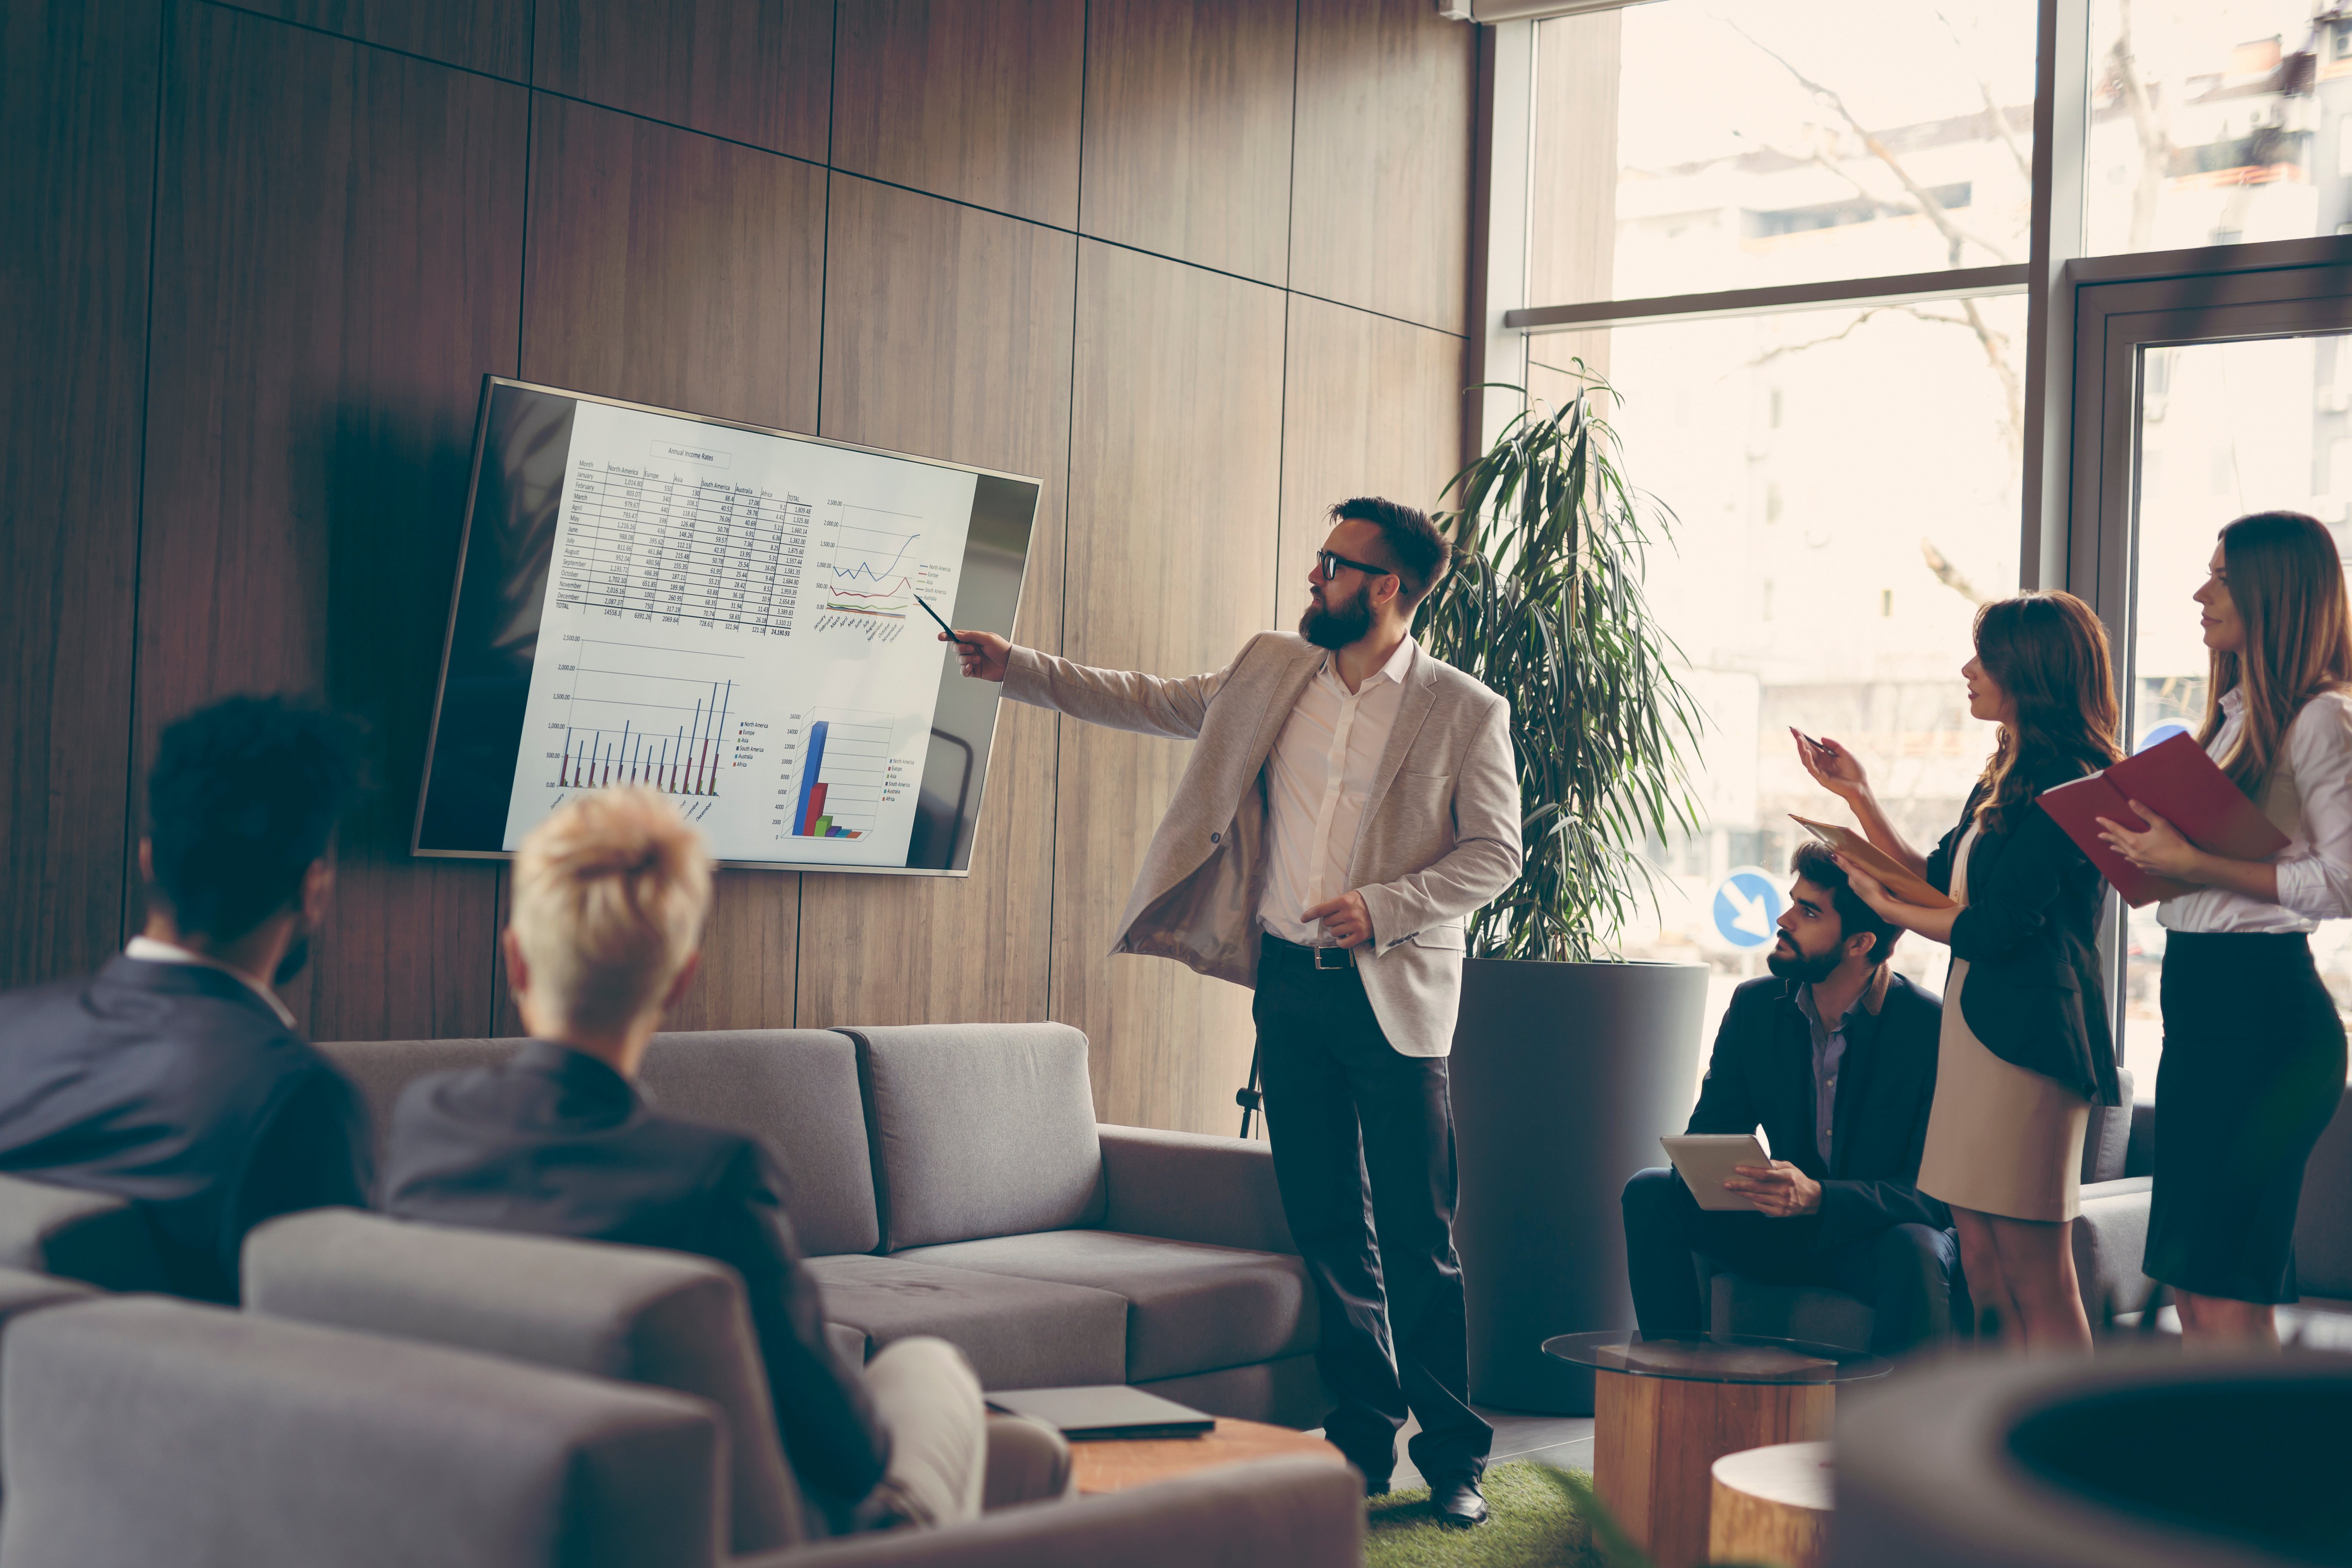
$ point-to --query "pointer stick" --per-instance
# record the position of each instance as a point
(935, 616)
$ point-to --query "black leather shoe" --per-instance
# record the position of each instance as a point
(1457, 1503)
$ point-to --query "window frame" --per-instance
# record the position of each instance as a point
(2075, 524)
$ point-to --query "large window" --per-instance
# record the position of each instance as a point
(1806, 245)
(2217, 123)
(1742, 144)
(1844, 481)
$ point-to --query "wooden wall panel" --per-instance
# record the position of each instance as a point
(78, 117)
(948, 333)
(338, 240)
(1188, 129)
(1370, 407)
(973, 100)
(492, 36)
(1175, 479)
(671, 269)
(1380, 214)
(750, 70)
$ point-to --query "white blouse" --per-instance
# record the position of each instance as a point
(2314, 786)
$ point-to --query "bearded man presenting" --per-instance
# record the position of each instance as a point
(1349, 803)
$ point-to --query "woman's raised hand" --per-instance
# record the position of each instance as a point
(1834, 767)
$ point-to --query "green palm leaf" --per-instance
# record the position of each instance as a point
(1545, 605)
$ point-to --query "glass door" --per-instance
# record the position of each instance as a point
(2199, 400)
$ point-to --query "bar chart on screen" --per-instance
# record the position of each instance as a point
(844, 766)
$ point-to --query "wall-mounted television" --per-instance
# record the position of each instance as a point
(726, 614)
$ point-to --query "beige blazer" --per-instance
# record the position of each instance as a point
(1440, 835)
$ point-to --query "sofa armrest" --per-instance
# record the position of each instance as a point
(1193, 1187)
(1281, 1513)
(2110, 1240)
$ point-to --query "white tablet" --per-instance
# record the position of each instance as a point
(1708, 1159)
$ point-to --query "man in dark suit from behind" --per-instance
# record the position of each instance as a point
(174, 1076)
(610, 894)
(1833, 1055)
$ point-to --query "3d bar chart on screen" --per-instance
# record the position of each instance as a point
(721, 623)
(844, 773)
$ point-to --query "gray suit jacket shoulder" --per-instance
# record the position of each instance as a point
(1440, 835)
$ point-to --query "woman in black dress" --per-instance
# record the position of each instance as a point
(2025, 1051)
(2253, 1051)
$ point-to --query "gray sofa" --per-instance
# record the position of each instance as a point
(2108, 1248)
(951, 1180)
(144, 1430)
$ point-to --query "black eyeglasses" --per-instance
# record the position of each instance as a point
(1330, 564)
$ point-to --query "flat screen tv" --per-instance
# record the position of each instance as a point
(726, 614)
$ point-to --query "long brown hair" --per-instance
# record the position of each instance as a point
(2287, 583)
(2049, 652)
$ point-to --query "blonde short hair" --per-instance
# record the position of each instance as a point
(610, 894)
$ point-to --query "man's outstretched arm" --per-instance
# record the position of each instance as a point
(1119, 700)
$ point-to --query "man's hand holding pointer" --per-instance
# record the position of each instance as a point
(983, 653)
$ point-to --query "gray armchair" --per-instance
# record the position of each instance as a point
(2107, 1241)
(144, 1430)
(104, 1241)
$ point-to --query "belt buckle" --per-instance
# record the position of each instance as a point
(1333, 958)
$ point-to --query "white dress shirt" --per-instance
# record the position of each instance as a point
(1319, 781)
(147, 950)
(2312, 797)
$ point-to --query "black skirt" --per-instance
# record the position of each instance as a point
(2253, 1070)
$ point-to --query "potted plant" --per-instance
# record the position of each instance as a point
(1568, 1063)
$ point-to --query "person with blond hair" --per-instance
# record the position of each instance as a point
(610, 895)
(2253, 1051)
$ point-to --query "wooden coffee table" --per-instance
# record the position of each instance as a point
(1116, 1464)
(1666, 1409)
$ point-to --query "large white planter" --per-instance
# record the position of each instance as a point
(1564, 1077)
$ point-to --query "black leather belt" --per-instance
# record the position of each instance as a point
(1315, 957)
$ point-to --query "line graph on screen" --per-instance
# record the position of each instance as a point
(868, 565)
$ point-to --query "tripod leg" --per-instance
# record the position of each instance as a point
(1249, 1099)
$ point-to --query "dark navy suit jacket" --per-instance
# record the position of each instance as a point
(1762, 1074)
(176, 1086)
(557, 1144)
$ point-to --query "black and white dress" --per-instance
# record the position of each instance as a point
(2254, 1059)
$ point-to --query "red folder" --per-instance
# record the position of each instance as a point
(2180, 783)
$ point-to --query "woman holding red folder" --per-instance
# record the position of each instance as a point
(2253, 1052)
(2025, 1050)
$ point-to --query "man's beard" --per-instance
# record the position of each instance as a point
(1797, 966)
(1327, 625)
(298, 956)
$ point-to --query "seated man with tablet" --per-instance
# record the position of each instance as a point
(1833, 1055)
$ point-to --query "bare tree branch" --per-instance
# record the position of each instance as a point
(1949, 574)
(1953, 233)
(2155, 144)
(2000, 117)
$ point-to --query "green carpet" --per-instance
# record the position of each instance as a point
(1535, 1526)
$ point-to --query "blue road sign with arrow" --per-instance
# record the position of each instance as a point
(1747, 903)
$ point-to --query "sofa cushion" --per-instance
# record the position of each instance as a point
(93, 1236)
(2322, 1223)
(794, 1089)
(144, 1430)
(979, 1129)
(1190, 1306)
(1017, 1332)
(633, 1313)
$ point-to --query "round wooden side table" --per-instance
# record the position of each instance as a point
(1666, 1409)
(1771, 1505)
